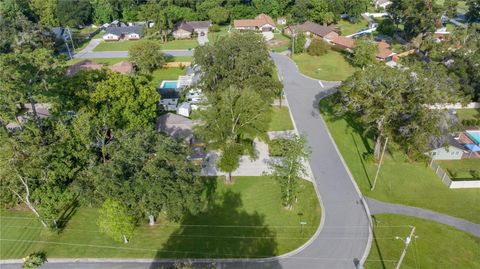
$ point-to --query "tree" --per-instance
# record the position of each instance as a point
(302, 10)
(232, 118)
(318, 47)
(73, 13)
(45, 10)
(229, 161)
(297, 42)
(473, 13)
(290, 168)
(393, 102)
(105, 10)
(240, 60)
(450, 7)
(156, 10)
(320, 11)
(34, 260)
(146, 56)
(270, 7)
(114, 221)
(354, 8)
(364, 52)
(218, 15)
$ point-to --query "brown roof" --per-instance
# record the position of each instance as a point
(315, 28)
(259, 21)
(383, 50)
(124, 67)
(344, 42)
(82, 65)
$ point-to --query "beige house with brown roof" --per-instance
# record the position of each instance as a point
(262, 22)
(313, 30)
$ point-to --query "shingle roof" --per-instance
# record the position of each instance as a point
(199, 24)
(175, 125)
(344, 41)
(315, 28)
(259, 21)
(135, 29)
(182, 25)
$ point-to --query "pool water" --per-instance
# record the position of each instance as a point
(475, 136)
(169, 84)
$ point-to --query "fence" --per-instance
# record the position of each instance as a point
(453, 184)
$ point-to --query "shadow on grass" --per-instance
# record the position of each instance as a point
(360, 156)
(66, 215)
(377, 246)
(222, 230)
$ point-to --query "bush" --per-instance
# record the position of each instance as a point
(34, 260)
(318, 47)
(277, 147)
(386, 27)
(214, 28)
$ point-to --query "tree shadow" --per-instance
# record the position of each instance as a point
(222, 230)
(66, 215)
(377, 246)
(362, 161)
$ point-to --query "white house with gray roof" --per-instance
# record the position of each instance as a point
(115, 33)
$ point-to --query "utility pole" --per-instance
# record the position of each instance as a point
(407, 243)
(294, 34)
(379, 165)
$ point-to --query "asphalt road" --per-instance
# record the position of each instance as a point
(344, 237)
(124, 54)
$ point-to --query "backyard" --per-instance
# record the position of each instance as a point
(331, 67)
(348, 28)
(400, 180)
(214, 36)
(124, 45)
(170, 73)
(462, 169)
(468, 114)
(280, 119)
(436, 245)
(245, 219)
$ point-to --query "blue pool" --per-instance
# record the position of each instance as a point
(475, 136)
(169, 84)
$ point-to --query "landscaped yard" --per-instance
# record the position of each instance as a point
(166, 74)
(214, 36)
(332, 66)
(462, 169)
(400, 180)
(124, 45)
(280, 119)
(348, 28)
(104, 61)
(437, 245)
(245, 219)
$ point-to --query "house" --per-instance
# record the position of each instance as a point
(343, 43)
(314, 30)
(123, 67)
(262, 22)
(186, 29)
(176, 126)
(168, 98)
(452, 151)
(381, 3)
(281, 21)
(384, 53)
(115, 33)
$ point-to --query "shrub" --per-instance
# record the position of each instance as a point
(214, 28)
(318, 47)
(277, 147)
(34, 260)
(386, 27)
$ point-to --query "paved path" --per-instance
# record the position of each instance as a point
(91, 45)
(124, 54)
(377, 207)
(343, 238)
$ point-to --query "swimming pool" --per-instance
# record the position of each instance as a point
(475, 136)
(169, 84)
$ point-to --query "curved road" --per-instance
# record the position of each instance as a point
(344, 238)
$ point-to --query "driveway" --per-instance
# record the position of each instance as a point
(202, 39)
(124, 54)
(344, 236)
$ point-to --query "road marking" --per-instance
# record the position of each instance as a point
(321, 84)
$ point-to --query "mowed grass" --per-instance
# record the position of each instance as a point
(213, 37)
(245, 219)
(124, 45)
(437, 245)
(280, 119)
(468, 114)
(170, 73)
(348, 28)
(279, 43)
(104, 61)
(461, 7)
(400, 180)
(462, 169)
(331, 67)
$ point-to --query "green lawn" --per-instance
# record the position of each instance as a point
(245, 219)
(280, 120)
(468, 114)
(461, 7)
(124, 45)
(348, 28)
(332, 66)
(214, 36)
(166, 74)
(279, 43)
(182, 59)
(104, 61)
(400, 181)
(462, 169)
(437, 245)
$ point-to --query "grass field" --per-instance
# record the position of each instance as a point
(348, 28)
(166, 74)
(400, 180)
(462, 169)
(280, 120)
(332, 66)
(437, 245)
(461, 7)
(468, 114)
(245, 219)
(124, 45)
(104, 61)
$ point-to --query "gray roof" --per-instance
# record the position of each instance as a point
(190, 26)
(175, 125)
(125, 30)
(182, 25)
(166, 93)
(199, 24)
(441, 142)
